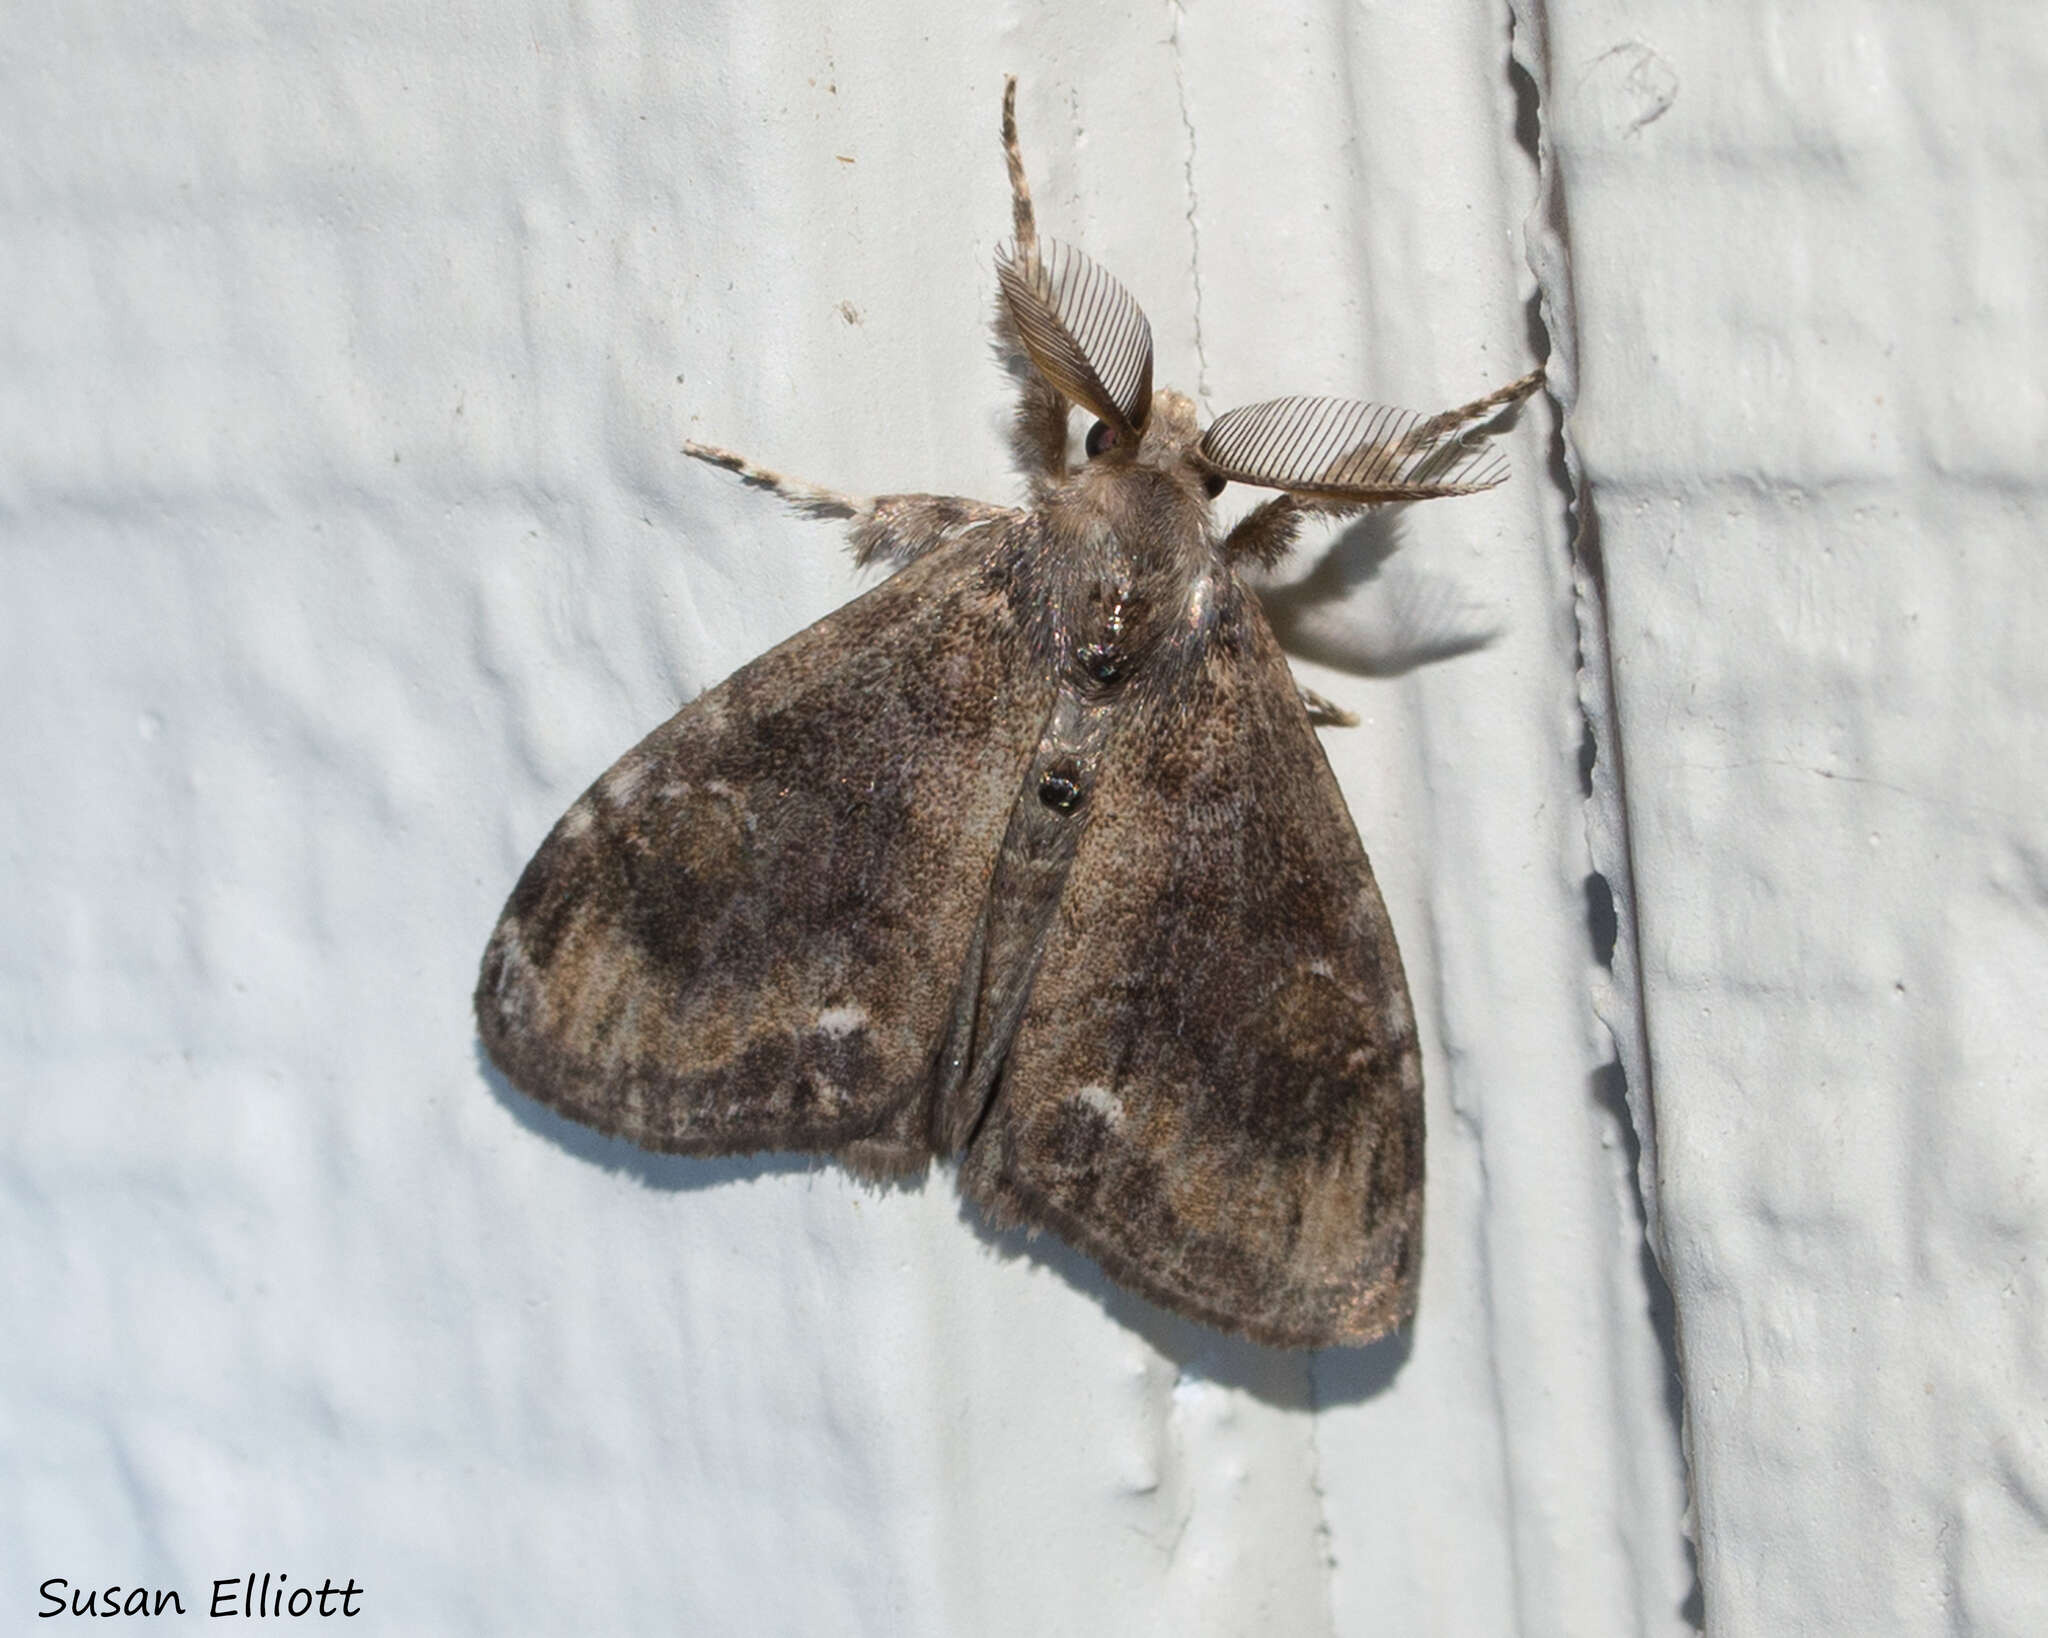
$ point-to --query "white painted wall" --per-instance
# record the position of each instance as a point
(1805, 246)
(344, 356)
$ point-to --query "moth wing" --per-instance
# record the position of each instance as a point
(1215, 1090)
(747, 933)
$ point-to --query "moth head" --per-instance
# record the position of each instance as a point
(1093, 344)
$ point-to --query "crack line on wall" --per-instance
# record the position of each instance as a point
(1619, 999)
(1175, 12)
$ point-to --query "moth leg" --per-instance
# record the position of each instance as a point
(1325, 713)
(902, 528)
(1038, 427)
(1266, 533)
(886, 528)
(807, 498)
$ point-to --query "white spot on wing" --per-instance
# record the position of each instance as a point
(1103, 1101)
(624, 780)
(515, 972)
(577, 820)
(840, 1022)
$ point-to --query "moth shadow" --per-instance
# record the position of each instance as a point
(1424, 618)
(1286, 1378)
(657, 1171)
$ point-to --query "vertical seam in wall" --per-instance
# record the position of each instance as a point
(1619, 998)
(1546, 237)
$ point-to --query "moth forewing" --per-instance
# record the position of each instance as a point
(743, 935)
(1218, 1061)
(1029, 854)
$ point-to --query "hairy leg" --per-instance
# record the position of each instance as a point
(807, 498)
(886, 528)
(1265, 534)
(1325, 713)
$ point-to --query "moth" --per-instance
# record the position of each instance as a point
(1029, 856)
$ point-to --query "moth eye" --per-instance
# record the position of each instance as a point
(1059, 793)
(1101, 436)
(1212, 485)
(1102, 663)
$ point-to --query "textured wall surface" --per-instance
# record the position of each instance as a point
(1808, 398)
(345, 352)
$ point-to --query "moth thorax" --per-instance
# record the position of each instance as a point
(1101, 657)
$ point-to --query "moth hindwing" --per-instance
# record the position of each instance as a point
(1028, 855)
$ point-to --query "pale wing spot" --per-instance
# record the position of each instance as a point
(577, 820)
(511, 947)
(734, 797)
(840, 1022)
(623, 781)
(1103, 1101)
(514, 991)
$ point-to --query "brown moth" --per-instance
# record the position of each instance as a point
(1029, 856)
